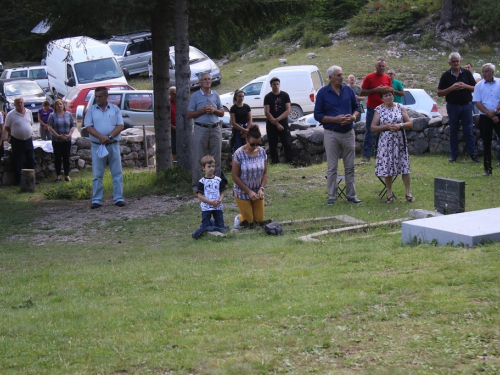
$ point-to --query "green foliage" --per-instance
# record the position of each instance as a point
(386, 16)
(428, 40)
(313, 37)
(484, 15)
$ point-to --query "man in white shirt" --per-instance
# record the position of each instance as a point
(19, 127)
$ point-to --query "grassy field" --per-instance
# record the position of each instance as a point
(140, 296)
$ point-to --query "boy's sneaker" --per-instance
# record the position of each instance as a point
(237, 222)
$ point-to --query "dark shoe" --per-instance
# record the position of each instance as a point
(410, 198)
(354, 200)
(331, 201)
(67, 178)
(475, 159)
(452, 160)
(390, 199)
(95, 205)
(120, 203)
(58, 179)
(487, 173)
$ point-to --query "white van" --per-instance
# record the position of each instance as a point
(301, 82)
(80, 60)
(38, 73)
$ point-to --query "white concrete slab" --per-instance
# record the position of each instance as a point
(467, 228)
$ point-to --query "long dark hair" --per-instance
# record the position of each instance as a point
(236, 95)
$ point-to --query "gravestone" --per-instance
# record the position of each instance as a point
(449, 195)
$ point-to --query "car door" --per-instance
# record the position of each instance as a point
(254, 98)
(137, 110)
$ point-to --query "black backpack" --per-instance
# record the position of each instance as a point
(273, 228)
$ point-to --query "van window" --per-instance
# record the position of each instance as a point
(253, 88)
(19, 74)
(98, 70)
(115, 99)
(316, 80)
(38, 74)
(139, 102)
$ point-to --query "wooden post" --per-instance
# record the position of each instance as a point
(28, 180)
(145, 145)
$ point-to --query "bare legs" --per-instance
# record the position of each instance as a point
(406, 182)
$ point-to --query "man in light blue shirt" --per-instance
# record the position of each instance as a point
(104, 124)
(487, 98)
(205, 108)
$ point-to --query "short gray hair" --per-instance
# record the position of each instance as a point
(454, 54)
(489, 65)
(332, 69)
(201, 74)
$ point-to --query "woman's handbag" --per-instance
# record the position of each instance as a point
(273, 228)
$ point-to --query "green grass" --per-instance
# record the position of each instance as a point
(141, 296)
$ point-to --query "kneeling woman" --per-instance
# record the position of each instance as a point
(249, 172)
(391, 119)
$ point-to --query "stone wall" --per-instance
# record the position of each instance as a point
(132, 152)
(427, 136)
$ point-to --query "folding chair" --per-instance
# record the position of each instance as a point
(384, 189)
(341, 189)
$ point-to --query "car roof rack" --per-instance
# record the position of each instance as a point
(130, 37)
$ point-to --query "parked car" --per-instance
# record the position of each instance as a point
(132, 51)
(415, 99)
(38, 73)
(28, 89)
(80, 95)
(90, 62)
(136, 107)
(301, 82)
(198, 63)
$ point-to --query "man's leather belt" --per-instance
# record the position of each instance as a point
(109, 143)
(339, 131)
(207, 125)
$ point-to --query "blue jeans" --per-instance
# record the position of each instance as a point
(368, 141)
(209, 225)
(462, 113)
(115, 167)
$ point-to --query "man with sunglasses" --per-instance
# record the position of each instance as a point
(205, 108)
(398, 87)
(336, 108)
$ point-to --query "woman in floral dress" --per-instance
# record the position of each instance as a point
(391, 120)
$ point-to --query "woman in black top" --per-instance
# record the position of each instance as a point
(241, 118)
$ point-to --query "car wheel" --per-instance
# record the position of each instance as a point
(295, 113)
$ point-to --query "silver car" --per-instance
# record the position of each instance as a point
(198, 63)
(132, 51)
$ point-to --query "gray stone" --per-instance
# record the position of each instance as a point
(80, 163)
(131, 156)
(414, 114)
(84, 154)
(475, 119)
(297, 145)
(315, 148)
(125, 149)
(449, 195)
(135, 146)
(282, 61)
(311, 55)
(438, 146)
(73, 150)
(360, 127)
(423, 214)
(445, 120)
(418, 147)
(419, 124)
(411, 135)
(431, 132)
(83, 143)
(435, 122)
(303, 136)
(466, 229)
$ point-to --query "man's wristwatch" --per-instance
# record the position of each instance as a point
(110, 137)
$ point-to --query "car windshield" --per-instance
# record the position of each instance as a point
(194, 56)
(22, 88)
(97, 70)
(118, 49)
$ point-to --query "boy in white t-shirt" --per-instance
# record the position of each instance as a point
(211, 194)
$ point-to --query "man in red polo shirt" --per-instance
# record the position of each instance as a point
(370, 87)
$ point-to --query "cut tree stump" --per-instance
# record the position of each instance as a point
(28, 180)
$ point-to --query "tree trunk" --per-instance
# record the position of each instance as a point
(182, 76)
(446, 13)
(160, 31)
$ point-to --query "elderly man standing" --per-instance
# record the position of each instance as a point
(205, 108)
(457, 85)
(487, 98)
(104, 124)
(370, 87)
(19, 126)
(336, 108)
(397, 85)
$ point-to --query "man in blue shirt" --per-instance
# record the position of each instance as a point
(104, 124)
(336, 108)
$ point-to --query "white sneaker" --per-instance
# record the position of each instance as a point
(237, 221)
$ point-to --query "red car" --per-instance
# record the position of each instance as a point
(81, 94)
